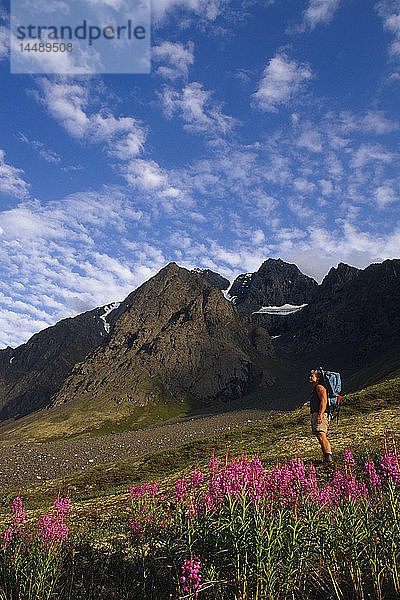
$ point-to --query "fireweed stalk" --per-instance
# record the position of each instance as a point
(31, 561)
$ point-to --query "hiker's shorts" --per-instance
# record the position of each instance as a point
(319, 427)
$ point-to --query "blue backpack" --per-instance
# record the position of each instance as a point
(333, 385)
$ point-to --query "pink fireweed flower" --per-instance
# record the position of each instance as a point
(208, 502)
(147, 508)
(18, 510)
(191, 577)
(374, 479)
(310, 483)
(347, 487)
(53, 527)
(18, 526)
(180, 489)
(196, 479)
(348, 458)
(391, 467)
(325, 496)
(297, 467)
(136, 527)
(140, 491)
(213, 464)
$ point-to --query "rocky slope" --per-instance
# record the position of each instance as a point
(213, 278)
(33, 372)
(179, 339)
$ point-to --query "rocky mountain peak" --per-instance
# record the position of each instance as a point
(274, 284)
(387, 270)
(178, 338)
(338, 277)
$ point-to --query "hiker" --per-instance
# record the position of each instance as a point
(319, 413)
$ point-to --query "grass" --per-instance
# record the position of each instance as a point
(79, 421)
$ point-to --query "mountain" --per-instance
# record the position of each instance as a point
(274, 284)
(179, 339)
(352, 321)
(337, 279)
(33, 372)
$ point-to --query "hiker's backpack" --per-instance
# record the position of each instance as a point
(333, 385)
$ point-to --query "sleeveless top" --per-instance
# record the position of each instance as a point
(315, 402)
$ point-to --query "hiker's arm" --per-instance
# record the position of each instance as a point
(323, 401)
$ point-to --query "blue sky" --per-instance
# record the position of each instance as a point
(265, 129)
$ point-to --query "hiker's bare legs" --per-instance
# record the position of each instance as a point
(324, 442)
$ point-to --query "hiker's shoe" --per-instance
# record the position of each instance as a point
(328, 459)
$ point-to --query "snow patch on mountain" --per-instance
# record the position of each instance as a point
(285, 309)
(107, 309)
(228, 296)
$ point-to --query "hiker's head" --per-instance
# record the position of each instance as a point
(315, 376)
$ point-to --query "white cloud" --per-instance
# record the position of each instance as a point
(376, 122)
(367, 153)
(303, 211)
(174, 59)
(49, 155)
(207, 10)
(385, 194)
(68, 256)
(11, 181)
(65, 101)
(80, 61)
(303, 185)
(311, 140)
(115, 4)
(129, 145)
(326, 187)
(319, 250)
(161, 191)
(389, 11)
(68, 104)
(282, 80)
(55, 6)
(197, 108)
(319, 12)
(334, 165)
(258, 237)
(18, 327)
(373, 121)
(146, 175)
